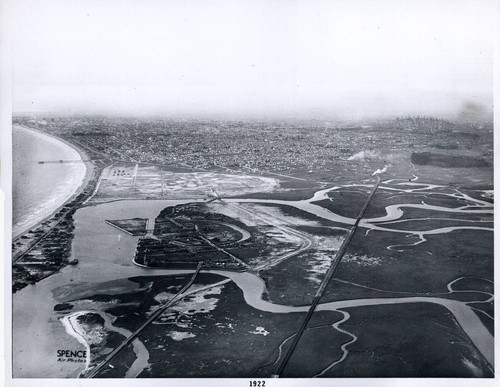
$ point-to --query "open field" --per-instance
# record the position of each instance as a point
(198, 324)
(266, 208)
(407, 341)
(126, 181)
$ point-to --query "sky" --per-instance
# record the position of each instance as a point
(251, 58)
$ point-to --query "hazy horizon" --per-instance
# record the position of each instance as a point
(345, 59)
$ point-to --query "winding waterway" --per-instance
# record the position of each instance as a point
(105, 254)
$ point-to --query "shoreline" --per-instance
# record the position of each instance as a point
(94, 270)
(89, 170)
(77, 334)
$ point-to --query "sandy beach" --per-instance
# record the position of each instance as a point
(75, 186)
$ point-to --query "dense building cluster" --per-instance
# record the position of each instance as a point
(310, 150)
(281, 146)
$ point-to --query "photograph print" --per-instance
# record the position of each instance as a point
(252, 189)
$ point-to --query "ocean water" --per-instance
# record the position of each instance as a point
(39, 189)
